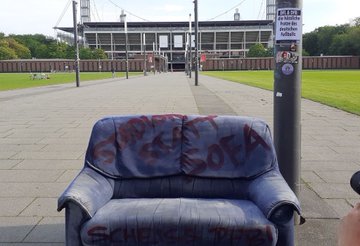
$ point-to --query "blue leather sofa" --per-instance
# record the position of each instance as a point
(179, 180)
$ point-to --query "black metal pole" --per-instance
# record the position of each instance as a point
(190, 46)
(196, 44)
(287, 89)
(126, 49)
(76, 44)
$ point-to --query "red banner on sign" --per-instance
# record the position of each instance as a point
(203, 58)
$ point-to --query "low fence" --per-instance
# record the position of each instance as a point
(309, 62)
(40, 66)
(35, 65)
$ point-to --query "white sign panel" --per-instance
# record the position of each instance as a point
(193, 41)
(164, 41)
(288, 25)
(178, 41)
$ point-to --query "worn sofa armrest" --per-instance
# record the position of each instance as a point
(273, 196)
(89, 190)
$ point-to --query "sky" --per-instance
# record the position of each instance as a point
(40, 16)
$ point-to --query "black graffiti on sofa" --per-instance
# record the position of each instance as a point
(249, 236)
(144, 235)
(147, 235)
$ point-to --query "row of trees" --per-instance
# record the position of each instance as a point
(41, 47)
(327, 40)
(334, 40)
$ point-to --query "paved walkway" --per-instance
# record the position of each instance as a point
(44, 134)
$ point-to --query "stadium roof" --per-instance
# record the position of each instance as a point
(178, 24)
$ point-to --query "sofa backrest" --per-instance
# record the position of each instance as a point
(137, 146)
(153, 146)
(226, 147)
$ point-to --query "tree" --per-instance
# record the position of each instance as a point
(356, 21)
(326, 36)
(38, 44)
(7, 53)
(310, 43)
(354, 37)
(57, 50)
(325, 39)
(43, 47)
(86, 53)
(11, 49)
(305, 53)
(99, 54)
(20, 50)
(258, 50)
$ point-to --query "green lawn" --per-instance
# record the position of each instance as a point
(336, 88)
(11, 81)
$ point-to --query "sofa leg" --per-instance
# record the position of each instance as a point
(286, 234)
(74, 218)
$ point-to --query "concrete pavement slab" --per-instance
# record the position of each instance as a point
(46, 165)
(328, 165)
(317, 234)
(68, 176)
(333, 191)
(7, 154)
(27, 176)
(15, 229)
(49, 230)
(13, 206)
(42, 207)
(47, 155)
(340, 206)
(8, 164)
(340, 177)
(31, 190)
(21, 147)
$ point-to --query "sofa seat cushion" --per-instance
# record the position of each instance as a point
(178, 221)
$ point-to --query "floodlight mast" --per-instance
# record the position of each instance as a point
(287, 89)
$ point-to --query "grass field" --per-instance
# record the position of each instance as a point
(336, 88)
(11, 81)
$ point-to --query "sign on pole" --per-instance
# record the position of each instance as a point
(288, 25)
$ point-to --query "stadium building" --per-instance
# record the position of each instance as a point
(217, 39)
